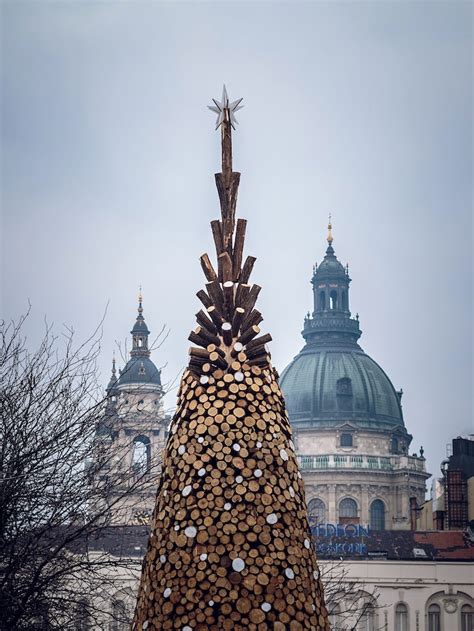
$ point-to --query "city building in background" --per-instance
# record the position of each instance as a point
(451, 506)
(347, 417)
(390, 560)
(134, 428)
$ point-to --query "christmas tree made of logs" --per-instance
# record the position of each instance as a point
(230, 545)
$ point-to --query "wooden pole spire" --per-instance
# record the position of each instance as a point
(230, 547)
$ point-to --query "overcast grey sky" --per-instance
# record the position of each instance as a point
(359, 109)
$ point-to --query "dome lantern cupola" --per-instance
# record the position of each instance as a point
(331, 319)
(140, 332)
(139, 370)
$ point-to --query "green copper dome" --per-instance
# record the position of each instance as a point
(328, 386)
(332, 380)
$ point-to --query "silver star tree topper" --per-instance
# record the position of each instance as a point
(225, 110)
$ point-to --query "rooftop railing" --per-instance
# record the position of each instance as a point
(341, 461)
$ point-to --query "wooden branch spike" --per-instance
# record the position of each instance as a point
(204, 321)
(238, 249)
(215, 292)
(252, 298)
(254, 317)
(234, 189)
(196, 364)
(216, 228)
(224, 263)
(211, 339)
(212, 348)
(241, 294)
(219, 361)
(237, 320)
(221, 190)
(228, 289)
(201, 353)
(215, 316)
(258, 341)
(227, 234)
(207, 268)
(256, 351)
(249, 334)
(204, 298)
(227, 333)
(260, 361)
(247, 269)
(238, 347)
(197, 339)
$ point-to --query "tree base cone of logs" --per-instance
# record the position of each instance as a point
(230, 546)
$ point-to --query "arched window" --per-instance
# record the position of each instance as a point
(344, 394)
(377, 515)
(322, 300)
(333, 300)
(120, 618)
(141, 456)
(467, 618)
(347, 508)
(401, 617)
(434, 617)
(367, 620)
(316, 512)
(394, 445)
(344, 301)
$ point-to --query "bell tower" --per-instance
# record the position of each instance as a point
(134, 430)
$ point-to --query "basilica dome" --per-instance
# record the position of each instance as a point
(326, 386)
(332, 380)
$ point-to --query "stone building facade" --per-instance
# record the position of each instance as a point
(347, 417)
(134, 429)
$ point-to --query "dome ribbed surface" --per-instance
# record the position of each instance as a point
(317, 389)
(139, 370)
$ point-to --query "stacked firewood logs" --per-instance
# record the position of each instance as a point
(230, 546)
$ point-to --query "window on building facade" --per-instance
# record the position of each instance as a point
(344, 300)
(322, 300)
(316, 512)
(434, 618)
(367, 620)
(346, 440)
(401, 617)
(141, 456)
(344, 396)
(333, 300)
(347, 508)
(377, 515)
(467, 618)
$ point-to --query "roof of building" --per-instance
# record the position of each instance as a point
(332, 379)
(392, 545)
(139, 371)
(325, 386)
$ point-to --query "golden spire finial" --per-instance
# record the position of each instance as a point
(330, 239)
(140, 300)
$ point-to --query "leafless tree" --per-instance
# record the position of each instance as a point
(55, 484)
(350, 602)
